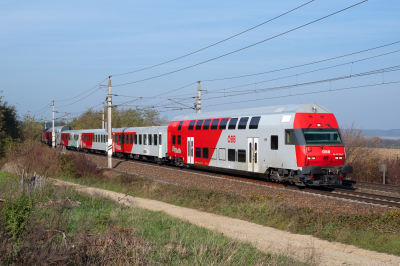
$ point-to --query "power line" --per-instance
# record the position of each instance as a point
(216, 42)
(84, 92)
(241, 49)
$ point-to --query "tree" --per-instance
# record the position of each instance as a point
(9, 125)
(91, 119)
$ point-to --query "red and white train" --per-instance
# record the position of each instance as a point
(300, 144)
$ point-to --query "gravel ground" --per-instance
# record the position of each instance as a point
(206, 180)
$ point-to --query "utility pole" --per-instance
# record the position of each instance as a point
(110, 142)
(66, 118)
(45, 122)
(198, 104)
(102, 123)
(53, 135)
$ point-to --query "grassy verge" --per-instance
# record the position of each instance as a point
(374, 232)
(44, 228)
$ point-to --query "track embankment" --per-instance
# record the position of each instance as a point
(237, 186)
(264, 238)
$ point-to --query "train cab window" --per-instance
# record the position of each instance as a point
(191, 124)
(243, 122)
(222, 154)
(231, 155)
(179, 139)
(155, 139)
(144, 139)
(254, 122)
(205, 153)
(150, 142)
(214, 124)
(223, 123)
(131, 138)
(197, 152)
(199, 124)
(180, 125)
(206, 125)
(213, 153)
(136, 139)
(241, 156)
(173, 139)
(274, 142)
(159, 138)
(232, 123)
(140, 139)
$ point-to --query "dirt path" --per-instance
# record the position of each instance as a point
(266, 239)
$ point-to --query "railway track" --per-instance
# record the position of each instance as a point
(378, 187)
(339, 193)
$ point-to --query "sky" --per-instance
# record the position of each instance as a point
(63, 50)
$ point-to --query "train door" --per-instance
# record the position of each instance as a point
(113, 142)
(252, 146)
(160, 142)
(190, 148)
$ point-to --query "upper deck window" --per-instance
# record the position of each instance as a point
(254, 122)
(322, 136)
(223, 123)
(207, 124)
(191, 124)
(199, 124)
(232, 123)
(243, 123)
(214, 124)
(180, 125)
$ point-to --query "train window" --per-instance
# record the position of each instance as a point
(223, 123)
(123, 138)
(287, 136)
(254, 122)
(241, 156)
(274, 142)
(179, 139)
(243, 122)
(140, 139)
(131, 138)
(155, 139)
(197, 152)
(222, 154)
(199, 124)
(159, 138)
(214, 124)
(180, 125)
(207, 124)
(135, 139)
(205, 153)
(150, 142)
(127, 138)
(144, 139)
(173, 139)
(191, 124)
(213, 153)
(231, 155)
(232, 123)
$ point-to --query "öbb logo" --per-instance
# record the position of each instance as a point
(326, 151)
(231, 139)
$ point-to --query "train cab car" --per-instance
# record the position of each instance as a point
(47, 135)
(300, 144)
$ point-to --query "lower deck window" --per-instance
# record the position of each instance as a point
(205, 153)
(231, 155)
(197, 152)
(155, 139)
(140, 139)
(241, 156)
(222, 154)
(179, 140)
(150, 139)
(274, 142)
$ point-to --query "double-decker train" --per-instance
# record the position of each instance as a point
(300, 144)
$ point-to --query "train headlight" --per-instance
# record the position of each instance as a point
(336, 157)
(313, 158)
(309, 158)
(340, 157)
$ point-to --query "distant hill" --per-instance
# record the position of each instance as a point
(385, 134)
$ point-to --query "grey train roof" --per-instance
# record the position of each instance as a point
(267, 110)
(58, 129)
(141, 129)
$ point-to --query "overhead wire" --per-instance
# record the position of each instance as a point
(241, 49)
(209, 46)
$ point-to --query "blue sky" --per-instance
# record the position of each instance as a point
(56, 50)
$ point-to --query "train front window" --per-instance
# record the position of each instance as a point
(322, 136)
